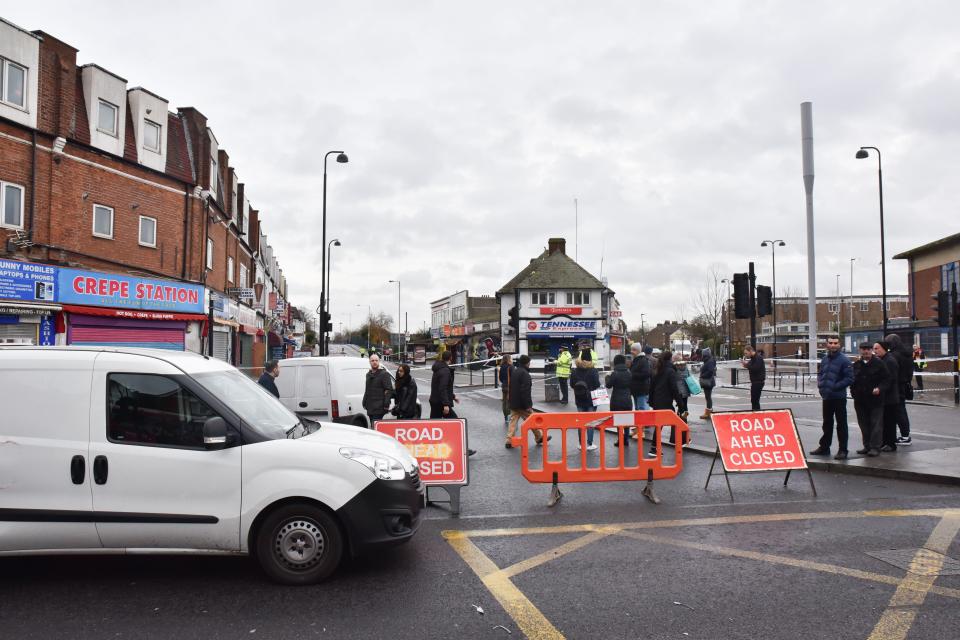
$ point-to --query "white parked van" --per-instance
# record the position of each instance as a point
(106, 450)
(326, 388)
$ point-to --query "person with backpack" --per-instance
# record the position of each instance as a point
(585, 379)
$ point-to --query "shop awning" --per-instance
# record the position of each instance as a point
(28, 308)
(273, 340)
(133, 314)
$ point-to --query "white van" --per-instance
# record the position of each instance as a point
(108, 450)
(326, 388)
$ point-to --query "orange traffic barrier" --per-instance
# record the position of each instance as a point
(626, 466)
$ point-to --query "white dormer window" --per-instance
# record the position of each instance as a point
(107, 117)
(13, 84)
(151, 135)
(213, 175)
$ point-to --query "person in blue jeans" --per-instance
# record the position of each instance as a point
(583, 380)
(641, 374)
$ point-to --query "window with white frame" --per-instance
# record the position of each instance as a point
(151, 135)
(11, 203)
(864, 323)
(13, 84)
(209, 254)
(229, 269)
(102, 221)
(243, 276)
(213, 175)
(107, 115)
(864, 306)
(578, 297)
(148, 231)
(833, 307)
(544, 297)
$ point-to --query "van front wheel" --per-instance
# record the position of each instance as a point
(299, 544)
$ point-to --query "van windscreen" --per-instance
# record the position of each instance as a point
(250, 401)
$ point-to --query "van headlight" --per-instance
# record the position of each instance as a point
(380, 465)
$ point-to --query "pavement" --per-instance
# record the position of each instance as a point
(934, 455)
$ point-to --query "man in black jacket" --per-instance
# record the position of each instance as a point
(442, 396)
(640, 376)
(506, 366)
(521, 399)
(753, 362)
(870, 380)
(904, 356)
(378, 391)
(270, 371)
(890, 396)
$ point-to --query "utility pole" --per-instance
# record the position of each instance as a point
(753, 307)
(806, 139)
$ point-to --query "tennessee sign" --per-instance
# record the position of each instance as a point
(562, 327)
(113, 290)
(440, 447)
(758, 441)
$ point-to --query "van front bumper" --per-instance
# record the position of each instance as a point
(385, 513)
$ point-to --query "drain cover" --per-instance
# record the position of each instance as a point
(922, 562)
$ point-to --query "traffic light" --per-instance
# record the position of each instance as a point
(325, 324)
(741, 295)
(514, 317)
(942, 308)
(764, 300)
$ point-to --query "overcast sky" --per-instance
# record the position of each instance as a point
(471, 128)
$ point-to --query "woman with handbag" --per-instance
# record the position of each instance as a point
(584, 379)
(683, 389)
(708, 380)
(620, 397)
(405, 404)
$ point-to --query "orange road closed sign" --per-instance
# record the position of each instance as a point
(758, 441)
(440, 447)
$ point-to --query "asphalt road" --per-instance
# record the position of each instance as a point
(777, 563)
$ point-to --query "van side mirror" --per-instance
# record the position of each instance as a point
(215, 433)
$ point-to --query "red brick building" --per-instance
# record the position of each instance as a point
(97, 176)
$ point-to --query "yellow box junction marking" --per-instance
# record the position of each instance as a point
(894, 624)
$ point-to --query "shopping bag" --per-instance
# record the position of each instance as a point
(600, 396)
(693, 385)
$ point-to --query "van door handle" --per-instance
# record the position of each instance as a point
(303, 405)
(78, 469)
(100, 469)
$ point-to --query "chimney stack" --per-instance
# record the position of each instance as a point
(557, 244)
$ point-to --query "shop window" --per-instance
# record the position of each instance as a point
(13, 84)
(107, 117)
(11, 205)
(102, 221)
(154, 410)
(151, 135)
(148, 231)
(544, 297)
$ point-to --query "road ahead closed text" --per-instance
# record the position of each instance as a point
(438, 445)
(758, 441)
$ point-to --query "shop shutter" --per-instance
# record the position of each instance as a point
(18, 333)
(111, 332)
(221, 345)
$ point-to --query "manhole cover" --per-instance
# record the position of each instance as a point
(919, 561)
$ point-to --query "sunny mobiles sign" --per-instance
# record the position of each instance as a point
(562, 327)
(97, 289)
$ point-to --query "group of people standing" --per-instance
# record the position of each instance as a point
(880, 385)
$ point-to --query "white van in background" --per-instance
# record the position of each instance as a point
(115, 450)
(326, 388)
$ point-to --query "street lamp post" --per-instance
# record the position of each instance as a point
(773, 253)
(643, 333)
(330, 245)
(726, 317)
(851, 292)
(839, 305)
(399, 328)
(861, 154)
(342, 158)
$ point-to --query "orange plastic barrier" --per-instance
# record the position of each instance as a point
(644, 467)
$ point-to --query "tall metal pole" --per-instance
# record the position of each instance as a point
(839, 305)
(862, 153)
(643, 333)
(851, 292)
(330, 245)
(773, 253)
(806, 138)
(753, 308)
(323, 256)
(399, 324)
